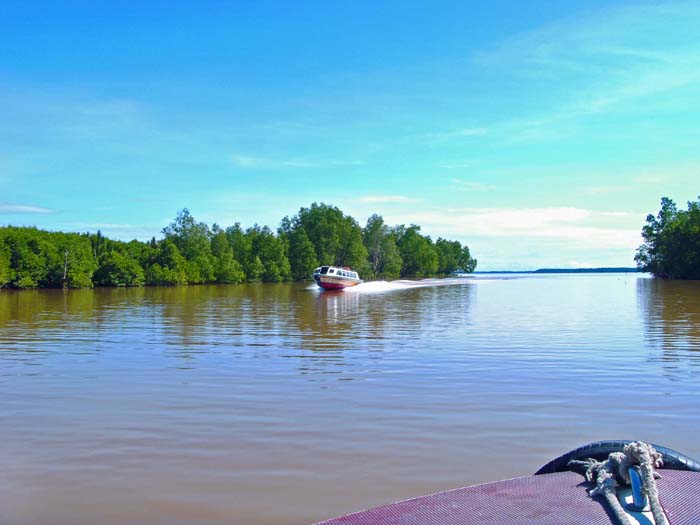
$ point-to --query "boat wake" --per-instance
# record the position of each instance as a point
(391, 286)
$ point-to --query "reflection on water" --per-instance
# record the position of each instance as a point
(280, 404)
(671, 311)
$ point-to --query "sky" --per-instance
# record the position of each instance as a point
(540, 134)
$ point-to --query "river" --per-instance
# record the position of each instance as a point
(279, 404)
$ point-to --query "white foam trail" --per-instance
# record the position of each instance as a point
(376, 287)
(402, 284)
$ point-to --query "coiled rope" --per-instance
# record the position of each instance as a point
(614, 472)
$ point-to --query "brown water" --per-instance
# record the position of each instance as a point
(276, 404)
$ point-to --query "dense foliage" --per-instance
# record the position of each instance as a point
(191, 252)
(671, 247)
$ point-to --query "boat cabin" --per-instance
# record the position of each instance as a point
(336, 272)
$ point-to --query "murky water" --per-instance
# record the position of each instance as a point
(277, 404)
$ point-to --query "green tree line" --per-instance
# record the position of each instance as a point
(190, 252)
(671, 247)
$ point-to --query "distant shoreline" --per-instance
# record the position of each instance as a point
(568, 270)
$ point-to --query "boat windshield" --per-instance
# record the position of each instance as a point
(324, 270)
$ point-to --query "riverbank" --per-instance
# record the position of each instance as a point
(191, 252)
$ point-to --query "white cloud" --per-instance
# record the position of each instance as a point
(257, 162)
(347, 163)
(469, 132)
(23, 208)
(122, 231)
(652, 179)
(471, 185)
(510, 238)
(387, 198)
(600, 41)
(455, 165)
(100, 225)
(456, 134)
(252, 162)
(596, 230)
(600, 64)
(580, 264)
(602, 189)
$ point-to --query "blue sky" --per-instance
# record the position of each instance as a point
(540, 134)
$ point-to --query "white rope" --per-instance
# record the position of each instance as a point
(614, 471)
(648, 458)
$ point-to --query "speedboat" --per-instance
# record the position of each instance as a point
(618, 487)
(335, 277)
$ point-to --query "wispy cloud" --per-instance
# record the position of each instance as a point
(581, 264)
(471, 185)
(254, 162)
(387, 199)
(339, 163)
(460, 133)
(116, 230)
(599, 41)
(601, 65)
(468, 132)
(455, 165)
(99, 225)
(651, 179)
(258, 162)
(7, 208)
(682, 174)
(602, 189)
